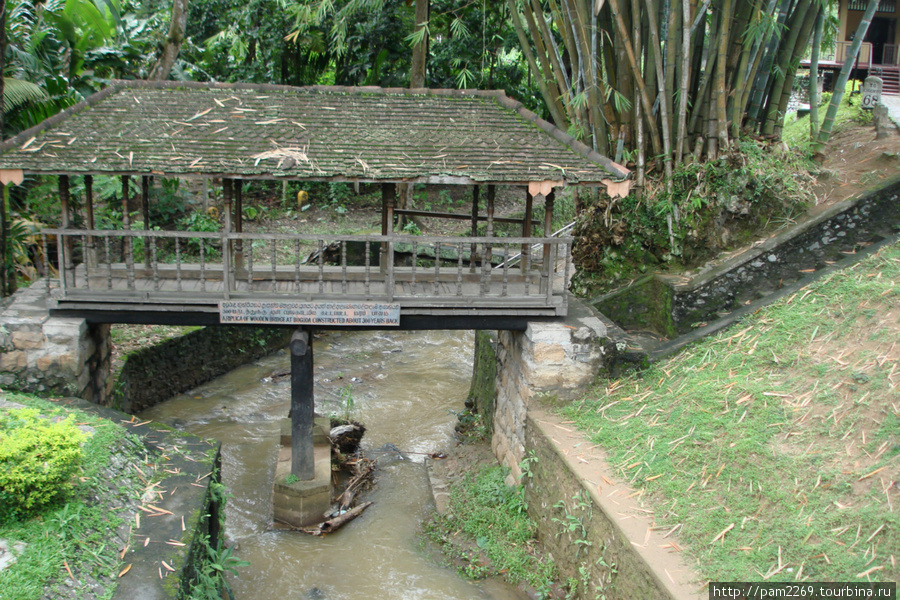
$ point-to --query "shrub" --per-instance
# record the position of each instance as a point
(38, 458)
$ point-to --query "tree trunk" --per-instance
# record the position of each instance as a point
(420, 50)
(841, 83)
(177, 27)
(5, 259)
(783, 65)
(559, 118)
(721, 68)
(761, 84)
(638, 79)
(793, 65)
(814, 76)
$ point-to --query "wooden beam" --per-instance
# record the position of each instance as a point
(230, 266)
(67, 268)
(145, 209)
(91, 255)
(238, 193)
(548, 229)
(458, 217)
(303, 460)
(526, 231)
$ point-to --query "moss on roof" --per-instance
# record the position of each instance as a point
(321, 133)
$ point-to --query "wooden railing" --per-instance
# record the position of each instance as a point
(841, 50)
(199, 268)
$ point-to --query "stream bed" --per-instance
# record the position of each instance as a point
(406, 388)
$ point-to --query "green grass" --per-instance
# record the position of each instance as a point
(76, 534)
(488, 529)
(796, 130)
(773, 447)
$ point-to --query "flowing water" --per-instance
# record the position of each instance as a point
(406, 388)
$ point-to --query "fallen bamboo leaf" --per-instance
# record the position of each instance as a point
(146, 541)
(167, 567)
(158, 509)
(722, 533)
(200, 114)
(867, 475)
(69, 571)
(869, 571)
(125, 570)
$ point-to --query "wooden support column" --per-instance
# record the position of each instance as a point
(526, 232)
(548, 228)
(66, 264)
(238, 190)
(227, 263)
(549, 257)
(145, 210)
(487, 254)
(91, 253)
(127, 241)
(303, 463)
(387, 216)
(474, 249)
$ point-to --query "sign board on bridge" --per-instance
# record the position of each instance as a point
(871, 92)
(310, 313)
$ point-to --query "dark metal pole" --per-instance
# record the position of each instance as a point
(303, 462)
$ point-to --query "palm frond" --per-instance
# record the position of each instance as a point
(17, 92)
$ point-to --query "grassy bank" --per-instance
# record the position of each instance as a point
(486, 531)
(772, 448)
(72, 548)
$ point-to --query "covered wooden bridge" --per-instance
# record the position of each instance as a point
(233, 133)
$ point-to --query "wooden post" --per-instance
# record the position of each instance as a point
(474, 248)
(66, 265)
(127, 245)
(145, 209)
(303, 462)
(238, 189)
(526, 232)
(90, 256)
(387, 190)
(487, 255)
(548, 227)
(227, 263)
(548, 258)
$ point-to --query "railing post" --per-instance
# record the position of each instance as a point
(526, 232)
(388, 190)
(145, 208)
(127, 242)
(227, 275)
(66, 265)
(238, 193)
(389, 280)
(474, 247)
(90, 256)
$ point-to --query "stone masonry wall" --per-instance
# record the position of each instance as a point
(548, 359)
(156, 373)
(51, 356)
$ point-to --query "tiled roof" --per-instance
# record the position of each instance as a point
(321, 133)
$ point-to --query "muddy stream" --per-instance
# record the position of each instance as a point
(406, 387)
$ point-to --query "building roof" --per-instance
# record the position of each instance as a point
(318, 133)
